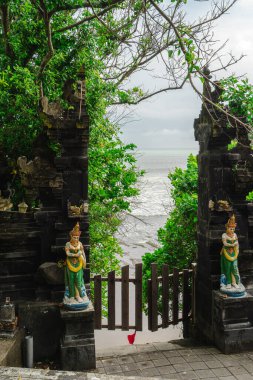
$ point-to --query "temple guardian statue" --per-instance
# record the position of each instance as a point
(75, 297)
(230, 282)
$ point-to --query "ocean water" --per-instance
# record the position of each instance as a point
(138, 234)
(154, 198)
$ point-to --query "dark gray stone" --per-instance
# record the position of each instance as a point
(78, 344)
(233, 330)
(52, 274)
(78, 355)
(43, 320)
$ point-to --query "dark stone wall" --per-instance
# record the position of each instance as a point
(19, 255)
(223, 176)
(70, 129)
(27, 240)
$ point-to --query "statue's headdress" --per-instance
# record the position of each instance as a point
(231, 222)
(76, 230)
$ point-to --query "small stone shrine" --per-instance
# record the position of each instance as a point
(8, 319)
(225, 179)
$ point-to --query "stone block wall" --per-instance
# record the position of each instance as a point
(223, 176)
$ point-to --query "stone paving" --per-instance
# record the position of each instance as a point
(177, 360)
(173, 360)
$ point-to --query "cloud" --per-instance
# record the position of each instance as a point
(167, 120)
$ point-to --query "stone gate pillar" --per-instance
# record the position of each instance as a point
(224, 175)
(68, 190)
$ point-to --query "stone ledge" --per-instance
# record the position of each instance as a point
(11, 373)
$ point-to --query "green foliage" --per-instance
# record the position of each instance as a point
(237, 95)
(18, 110)
(249, 197)
(178, 237)
(112, 172)
(179, 1)
(112, 165)
(232, 144)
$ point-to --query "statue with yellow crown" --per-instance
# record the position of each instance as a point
(75, 297)
(230, 282)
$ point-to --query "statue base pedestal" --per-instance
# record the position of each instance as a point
(76, 306)
(232, 322)
(234, 292)
(78, 344)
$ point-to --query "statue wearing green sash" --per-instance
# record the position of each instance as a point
(230, 282)
(75, 297)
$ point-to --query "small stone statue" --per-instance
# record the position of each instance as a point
(74, 210)
(230, 282)
(75, 297)
(22, 207)
(5, 203)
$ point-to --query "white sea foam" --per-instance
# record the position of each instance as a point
(150, 209)
(154, 198)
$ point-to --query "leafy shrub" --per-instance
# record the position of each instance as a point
(178, 237)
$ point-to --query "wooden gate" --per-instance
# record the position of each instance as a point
(170, 298)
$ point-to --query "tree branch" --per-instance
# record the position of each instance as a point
(154, 93)
(215, 16)
(68, 7)
(43, 12)
(89, 18)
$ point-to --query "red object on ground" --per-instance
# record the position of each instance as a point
(131, 338)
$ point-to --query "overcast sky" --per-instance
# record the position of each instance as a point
(166, 121)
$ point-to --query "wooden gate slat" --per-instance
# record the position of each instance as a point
(111, 300)
(175, 296)
(98, 302)
(138, 297)
(165, 296)
(186, 294)
(154, 295)
(186, 304)
(193, 295)
(150, 304)
(125, 297)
